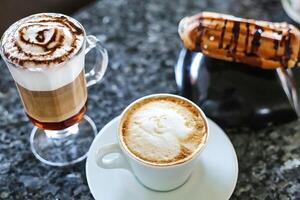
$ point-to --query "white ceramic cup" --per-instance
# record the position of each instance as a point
(155, 177)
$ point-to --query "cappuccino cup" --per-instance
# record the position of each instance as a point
(160, 137)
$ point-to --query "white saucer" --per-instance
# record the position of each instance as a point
(214, 177)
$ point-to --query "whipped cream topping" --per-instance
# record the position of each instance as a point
(163, 132)
(42, 40)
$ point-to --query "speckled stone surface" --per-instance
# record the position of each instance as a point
(143, 45)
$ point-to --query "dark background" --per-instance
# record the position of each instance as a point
(13, 10)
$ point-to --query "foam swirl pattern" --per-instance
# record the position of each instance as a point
(44, 51)
(42, 40)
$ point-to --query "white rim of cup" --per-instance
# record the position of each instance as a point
(141, 161)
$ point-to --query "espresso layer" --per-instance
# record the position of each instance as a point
(163, 130)
(55, 105)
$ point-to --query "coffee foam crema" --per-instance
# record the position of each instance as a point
(40, 42)
(163, 130)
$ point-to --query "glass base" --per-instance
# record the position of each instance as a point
(63, 147)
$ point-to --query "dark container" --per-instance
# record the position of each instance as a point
(233, 94)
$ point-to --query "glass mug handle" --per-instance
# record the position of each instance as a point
(101, 60)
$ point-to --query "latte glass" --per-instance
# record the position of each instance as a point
(55, 95)
(155, 177)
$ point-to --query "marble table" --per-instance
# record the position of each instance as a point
(141, 38)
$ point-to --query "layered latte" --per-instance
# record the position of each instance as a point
(45, 56)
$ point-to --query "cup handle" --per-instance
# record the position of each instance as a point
(101, 60)
(117, 162)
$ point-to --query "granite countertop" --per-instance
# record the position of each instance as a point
(141, 38)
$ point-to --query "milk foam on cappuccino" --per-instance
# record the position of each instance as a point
(163, 130)
(40, 44)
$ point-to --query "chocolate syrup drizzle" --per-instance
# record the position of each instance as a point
(286, 40)
(235, 38)
(276, 45)
(40, 37)
(255, 43)
(199, 36)
(49, 47)
(222, 34)
(247, 38)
